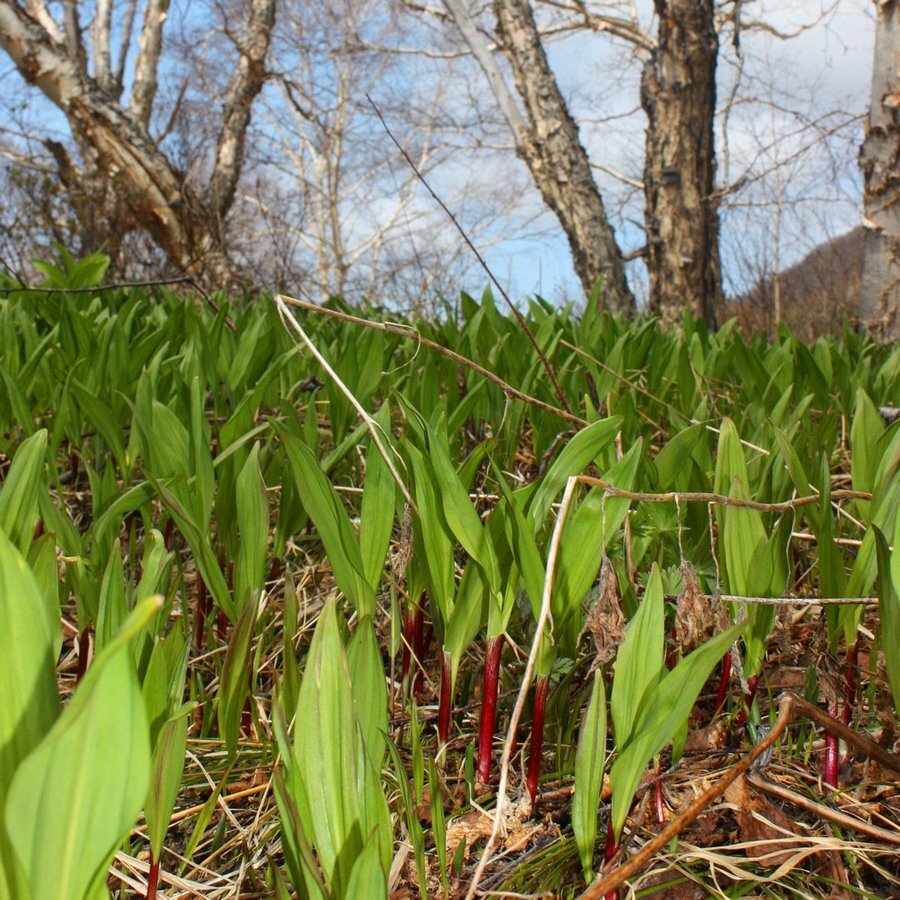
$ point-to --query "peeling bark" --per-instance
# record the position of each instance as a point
(558, 162)
(117, 149)
(678, 93)
(547, 140)
(880, 163)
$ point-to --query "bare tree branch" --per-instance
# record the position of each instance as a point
(246, 83)
(146, 69)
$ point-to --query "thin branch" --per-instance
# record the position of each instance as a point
(146, 67)
(548, 368)
(825, 812)
(720, 499)
(410, 333)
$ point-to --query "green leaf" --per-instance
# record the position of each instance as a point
(20, 491)
(367, 878)
(95, 765)
(640, 662)
(236, 675)
(458, 512)
(166, 770)
(376, 518)
(662, 713)
(369, 691)
(342, 797)
(332, 522)
(589, 764)
(741, 531)
(253, 526)
(27, 683)
(575, 457)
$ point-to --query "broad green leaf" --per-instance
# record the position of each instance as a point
(575, 457)
(27, 684)
(332, 523)
(590, 758)
(343, 798)
(21, 489)
(640, 662)
(376, 518)
(435, 542)
(236, 677)
(459, 513)
(253, 527)
(368, 878)
(45, 568)
(742, 535)
(95, 765)
(663, 711)
(369, 691)
(166, 770)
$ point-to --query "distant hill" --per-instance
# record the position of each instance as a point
(816, 293)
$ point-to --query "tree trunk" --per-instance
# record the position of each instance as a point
(880, 162)
(547, 140)
(678, 93)
(187, 223)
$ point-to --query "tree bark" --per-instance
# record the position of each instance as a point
(678, 93)
(880, 162)
(187, 223)
(546, 138)
(558, 162)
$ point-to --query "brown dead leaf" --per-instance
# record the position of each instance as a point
(712, 737)
(605, 620)
(694, 621)
(761, 821)
(471, 827)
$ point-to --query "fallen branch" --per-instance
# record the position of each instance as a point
(789, 706)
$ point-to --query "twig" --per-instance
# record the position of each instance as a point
(548, 368)
(508, 745)
(124, 285)
(114, 286)
(720, 499)
(410, 333)
(825, 812)
(287, 317)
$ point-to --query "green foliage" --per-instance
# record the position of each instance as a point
(149, 449)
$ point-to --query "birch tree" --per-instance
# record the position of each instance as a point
(121, 167)
(546, 137)
(880, 161)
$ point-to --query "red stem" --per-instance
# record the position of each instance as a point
(204, 605)
(752, 683)
(422, 642)
(724, 678)
(612, 848)
(851, 668)
(443, 723)
(831, 752)
(493, 652)
(658, 797)
(541, 691)
(152, 879)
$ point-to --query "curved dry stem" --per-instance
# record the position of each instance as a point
(543, 617)
(288, 318)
